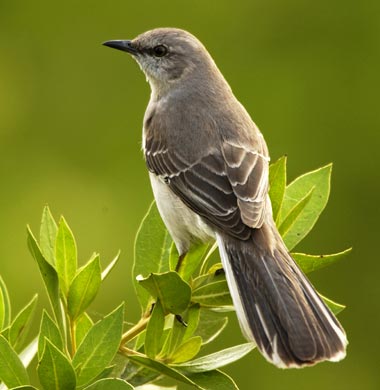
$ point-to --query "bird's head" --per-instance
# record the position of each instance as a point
(167, 55)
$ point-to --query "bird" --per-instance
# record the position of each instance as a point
(209, 170)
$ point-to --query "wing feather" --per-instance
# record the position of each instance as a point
(227, 187)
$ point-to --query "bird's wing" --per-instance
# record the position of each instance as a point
(227, 187)
(247, 170)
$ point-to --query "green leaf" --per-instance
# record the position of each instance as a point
(192, 260)
(54, 369)
(138, 375)
(295, 214)
(310, 263)
(110, 266)
(84, 288)
(49, 330)
(20, 324)
(216, 360)
(110, 384)
(151, 252)
(173, 257)
(210, 326)
(109, 371)
(173, 292)
(154, 331)
(12, 371)
(211, 258)
(181, 329)
(65, 255)
(48, 234)
(49, 276)
(99, 346)
(139, 341)
(152, 386)
(212, 380)
(174, 338)
(2, 310)
(213, 294)
(83, 325)
(24, 388)
(187, 350)
(277, 185)
(298, 189)
(205, 381)
(192, 320)
(5, 305)
(333, 306)
(162, 369)
(214, 274)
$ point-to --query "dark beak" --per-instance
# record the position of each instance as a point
(122, 45)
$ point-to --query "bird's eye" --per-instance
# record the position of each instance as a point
(160, 50)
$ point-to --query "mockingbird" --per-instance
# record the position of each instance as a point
(208, 166)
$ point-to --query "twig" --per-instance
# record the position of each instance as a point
(134, 331)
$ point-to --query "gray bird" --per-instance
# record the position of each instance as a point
(208, 165)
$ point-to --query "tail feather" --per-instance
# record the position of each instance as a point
(277, 307)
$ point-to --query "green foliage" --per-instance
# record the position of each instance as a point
(61, 363)
(110, 384)
(49, 276)
(84, 287)
(55, 371)
(49, 331)
(183, 304)
(187, 350)
(333, 306)
(5, 306)
(295, 214)
(316, 185)
(19, 326)
(152, 247)
(65, 255)
(213, 294)
(12, 371)
(277, 179)
(173, 292)
(191, 261)
(310, 263)
(99, 346)
(155, 330)
(83, 324)
(217, 360)
(211, 325)
(48, 234)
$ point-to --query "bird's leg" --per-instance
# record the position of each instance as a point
(181, 320)
(180, 260)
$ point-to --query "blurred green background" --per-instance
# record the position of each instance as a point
(70, 127)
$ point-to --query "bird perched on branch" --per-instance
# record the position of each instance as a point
(208, 165)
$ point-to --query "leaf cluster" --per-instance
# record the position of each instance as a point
(72, 351)
(183, 304)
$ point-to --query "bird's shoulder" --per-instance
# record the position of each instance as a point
(195, 125)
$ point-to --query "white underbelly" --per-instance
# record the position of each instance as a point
(183, 224)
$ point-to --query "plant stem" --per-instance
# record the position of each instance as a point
(73, 336)
(128, 352)
(134, 331)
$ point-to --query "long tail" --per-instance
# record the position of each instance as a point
(276, 305)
